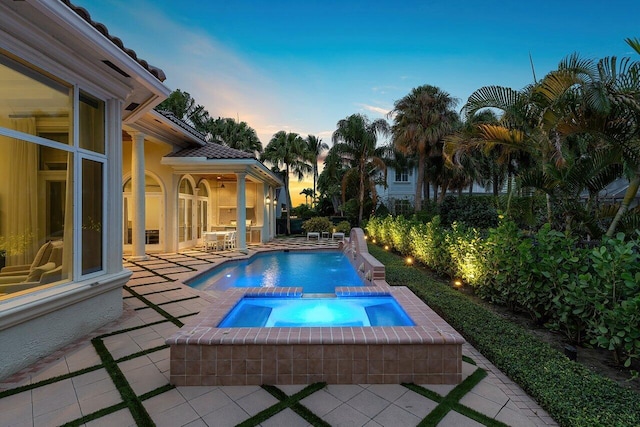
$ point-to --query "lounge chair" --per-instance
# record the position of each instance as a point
(43, 256)
(313, 234)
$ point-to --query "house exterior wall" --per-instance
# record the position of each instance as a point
(37, 317)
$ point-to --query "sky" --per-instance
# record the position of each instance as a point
(301, 66)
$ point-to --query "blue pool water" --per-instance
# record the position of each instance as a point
(315, 272)
(314, 312)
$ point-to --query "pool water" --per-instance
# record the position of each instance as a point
(315, 272)
(316, 312)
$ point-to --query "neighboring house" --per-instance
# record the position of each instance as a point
(399, 193)
(77, 130)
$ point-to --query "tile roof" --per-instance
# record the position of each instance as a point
(184, 125)
(84, 14)
(213, 150)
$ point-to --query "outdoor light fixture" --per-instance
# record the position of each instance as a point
(374, 241)
(457, 283)
(386, 247)
(365, 237)
(268, 199)
(409, 260)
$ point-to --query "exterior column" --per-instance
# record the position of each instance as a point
(137, 197)
(241, 219)
(272, 214)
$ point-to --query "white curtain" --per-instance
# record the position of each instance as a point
(21, 228)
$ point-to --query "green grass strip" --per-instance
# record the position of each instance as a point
(48, 381)
(160, 292)
(287, 402)
(168, 302)
(95, 415)
(450, 402)
(429, 394)
(153, 393)
(159, 310)
(142, 353)
(469, 360)
(129, 397)
(133, 328)
(166, 278)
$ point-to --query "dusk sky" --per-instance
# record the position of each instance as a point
(301, 66)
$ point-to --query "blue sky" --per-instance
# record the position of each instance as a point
(301, 66)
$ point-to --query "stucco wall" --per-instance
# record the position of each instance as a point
(25, 343)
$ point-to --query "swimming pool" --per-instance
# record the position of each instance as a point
(314, 271)
(316, 312)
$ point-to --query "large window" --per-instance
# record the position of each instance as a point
(39, 157)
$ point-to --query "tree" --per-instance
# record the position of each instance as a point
(289, 150)
(308, 192)
(329, 181)
(236, 135)
(315, 147)
(184, 107)
(355, 141)
(421, 119)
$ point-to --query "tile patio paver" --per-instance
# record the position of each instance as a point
(339, 405)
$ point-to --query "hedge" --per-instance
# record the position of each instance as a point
(572, 394)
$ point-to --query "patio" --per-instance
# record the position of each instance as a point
(77, 384)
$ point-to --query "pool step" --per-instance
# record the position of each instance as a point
(309, 295)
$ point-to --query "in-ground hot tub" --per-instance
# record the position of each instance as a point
(265, 312)
(429, 352)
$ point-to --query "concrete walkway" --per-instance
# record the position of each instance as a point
(77, 384)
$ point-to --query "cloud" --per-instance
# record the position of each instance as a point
(374, 109)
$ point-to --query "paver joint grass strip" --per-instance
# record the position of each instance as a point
(48, 381)
(450, 402)
(163, 313)
(285, 402)
(129, 397)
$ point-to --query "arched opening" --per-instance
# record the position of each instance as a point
(154, 214)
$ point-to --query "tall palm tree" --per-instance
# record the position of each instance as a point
(184, 107)
(355, 140)
(329, 181)
(421, 119)
(315, 147)
(289, 150)
(236, 135)
(307, 192)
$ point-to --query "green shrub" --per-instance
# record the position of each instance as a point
(474, 211)
(343, 227)
(319, 224)
(571, 393)
(613, 289)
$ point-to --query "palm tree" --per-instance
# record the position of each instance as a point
(421, 119)
(329, 181)
(355, 141)
(288, 149)
(315, 147)
(236, 135)
(308, 192)
(184, 107)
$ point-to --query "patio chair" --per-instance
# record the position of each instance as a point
(43, 256)
(230, 240)
(211, 241)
